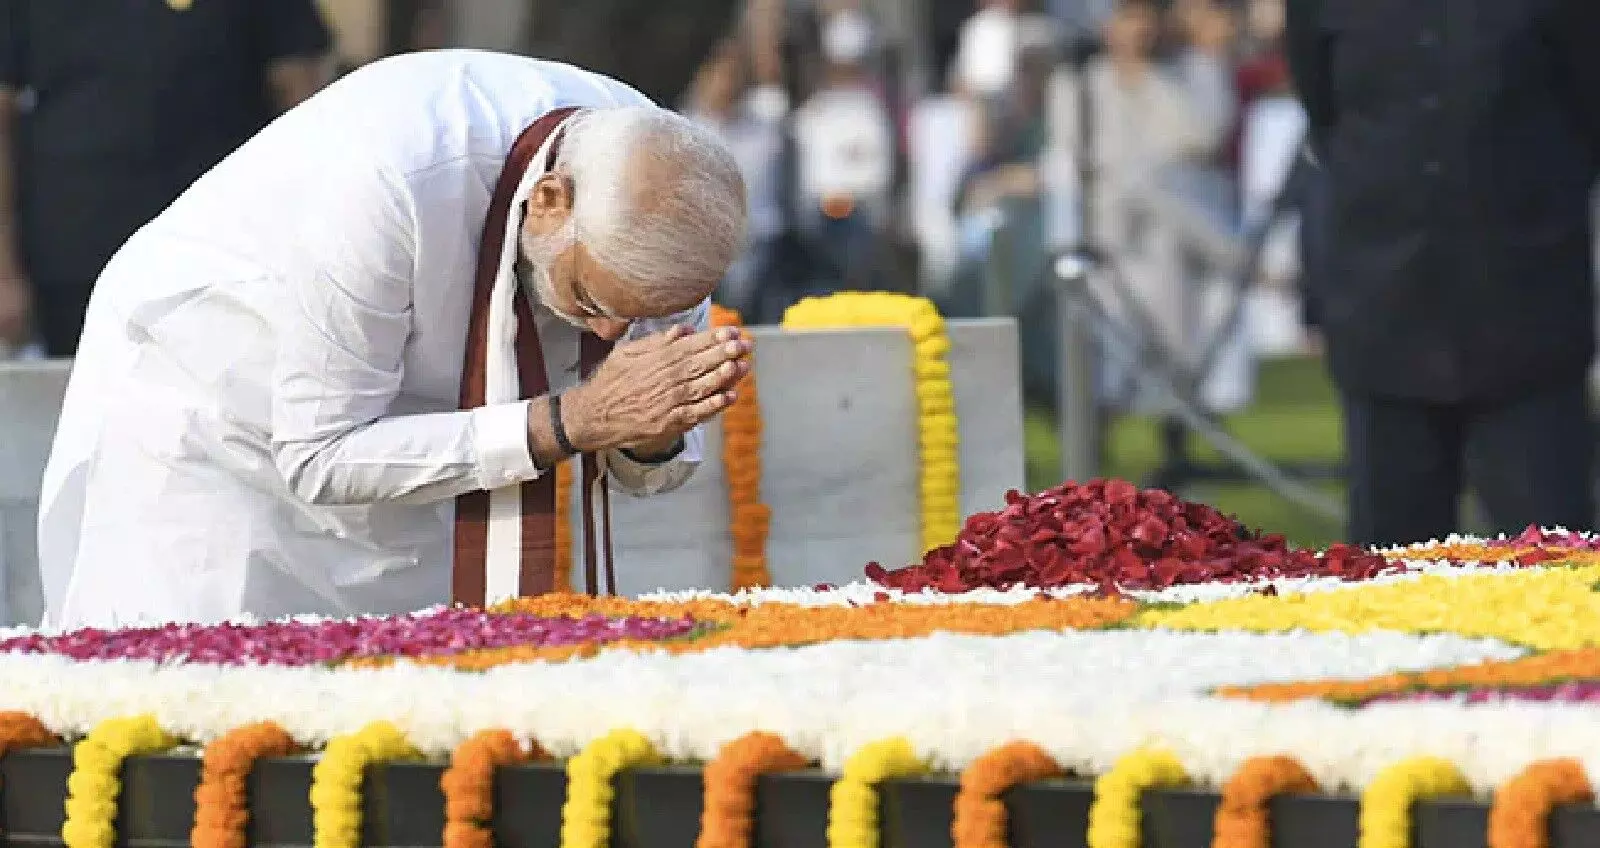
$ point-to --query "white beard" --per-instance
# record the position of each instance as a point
(540, 253)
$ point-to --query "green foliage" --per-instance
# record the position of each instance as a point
(1295, 418)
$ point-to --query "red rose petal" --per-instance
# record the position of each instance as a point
(1111, 535)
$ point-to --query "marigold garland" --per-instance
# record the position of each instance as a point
(586, 816)
(563, 535)
(1519, 815)
(980, 816)
(1114, 815)
(96, 779)
(337, 777)
(1387, 801)
(221, 805)
(853, 799)
(939, 436)
(468, 785)
(20, 730)
(748, 518)
(1242, 820)
(730, 787)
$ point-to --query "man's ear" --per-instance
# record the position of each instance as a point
(551, 198)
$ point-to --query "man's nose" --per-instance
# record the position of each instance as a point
(609, 329)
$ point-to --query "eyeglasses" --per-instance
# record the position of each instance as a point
(580, 293)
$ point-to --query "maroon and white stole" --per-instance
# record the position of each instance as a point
(505, 538)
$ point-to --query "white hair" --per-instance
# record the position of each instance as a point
(657, 200)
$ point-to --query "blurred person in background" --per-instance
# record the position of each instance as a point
(1261, 78)
(1001, 210)
(1207, 36)
(1204, 186)
(1001, 74)
(1268, 140)
(940, 151)
(1009, 134)
(109, 109)
(1263, 68)
(1142, 122)
(741, 99)
(1460, 143)
(846, 146)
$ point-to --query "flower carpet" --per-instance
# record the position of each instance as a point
(1096, 632)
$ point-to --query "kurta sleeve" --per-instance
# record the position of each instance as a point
(642, 479)
(1307, 53)
(335, 437)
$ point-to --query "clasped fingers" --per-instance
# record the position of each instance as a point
(721, 379)
(704, 353)
(691, 414)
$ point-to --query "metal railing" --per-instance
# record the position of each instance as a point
(1084, 322)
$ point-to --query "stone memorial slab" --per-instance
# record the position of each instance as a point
(839, 460)
(30, 402)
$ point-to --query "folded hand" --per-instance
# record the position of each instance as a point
(651, 390)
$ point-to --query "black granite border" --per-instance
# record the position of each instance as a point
(660, 808)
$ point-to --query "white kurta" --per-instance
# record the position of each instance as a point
(262, 418)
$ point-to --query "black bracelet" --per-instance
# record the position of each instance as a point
(559, 429)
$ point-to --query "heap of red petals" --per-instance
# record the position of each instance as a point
(1110, 534)
(303, 642)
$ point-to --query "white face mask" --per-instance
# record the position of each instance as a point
(987, 61)
(847, 37)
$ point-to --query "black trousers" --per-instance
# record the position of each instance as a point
(74, 215)
(58, 313)
(1529, 459)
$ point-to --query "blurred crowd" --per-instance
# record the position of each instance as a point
(1443, 164)
(1157, 124)
(1150, 132)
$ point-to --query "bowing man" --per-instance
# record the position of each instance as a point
(335, 376)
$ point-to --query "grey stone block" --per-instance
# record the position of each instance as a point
(985, 371)
(24, 597)
(839, 460)
(30, 403)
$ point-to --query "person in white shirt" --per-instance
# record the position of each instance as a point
(335, 375)
(1141, 125)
